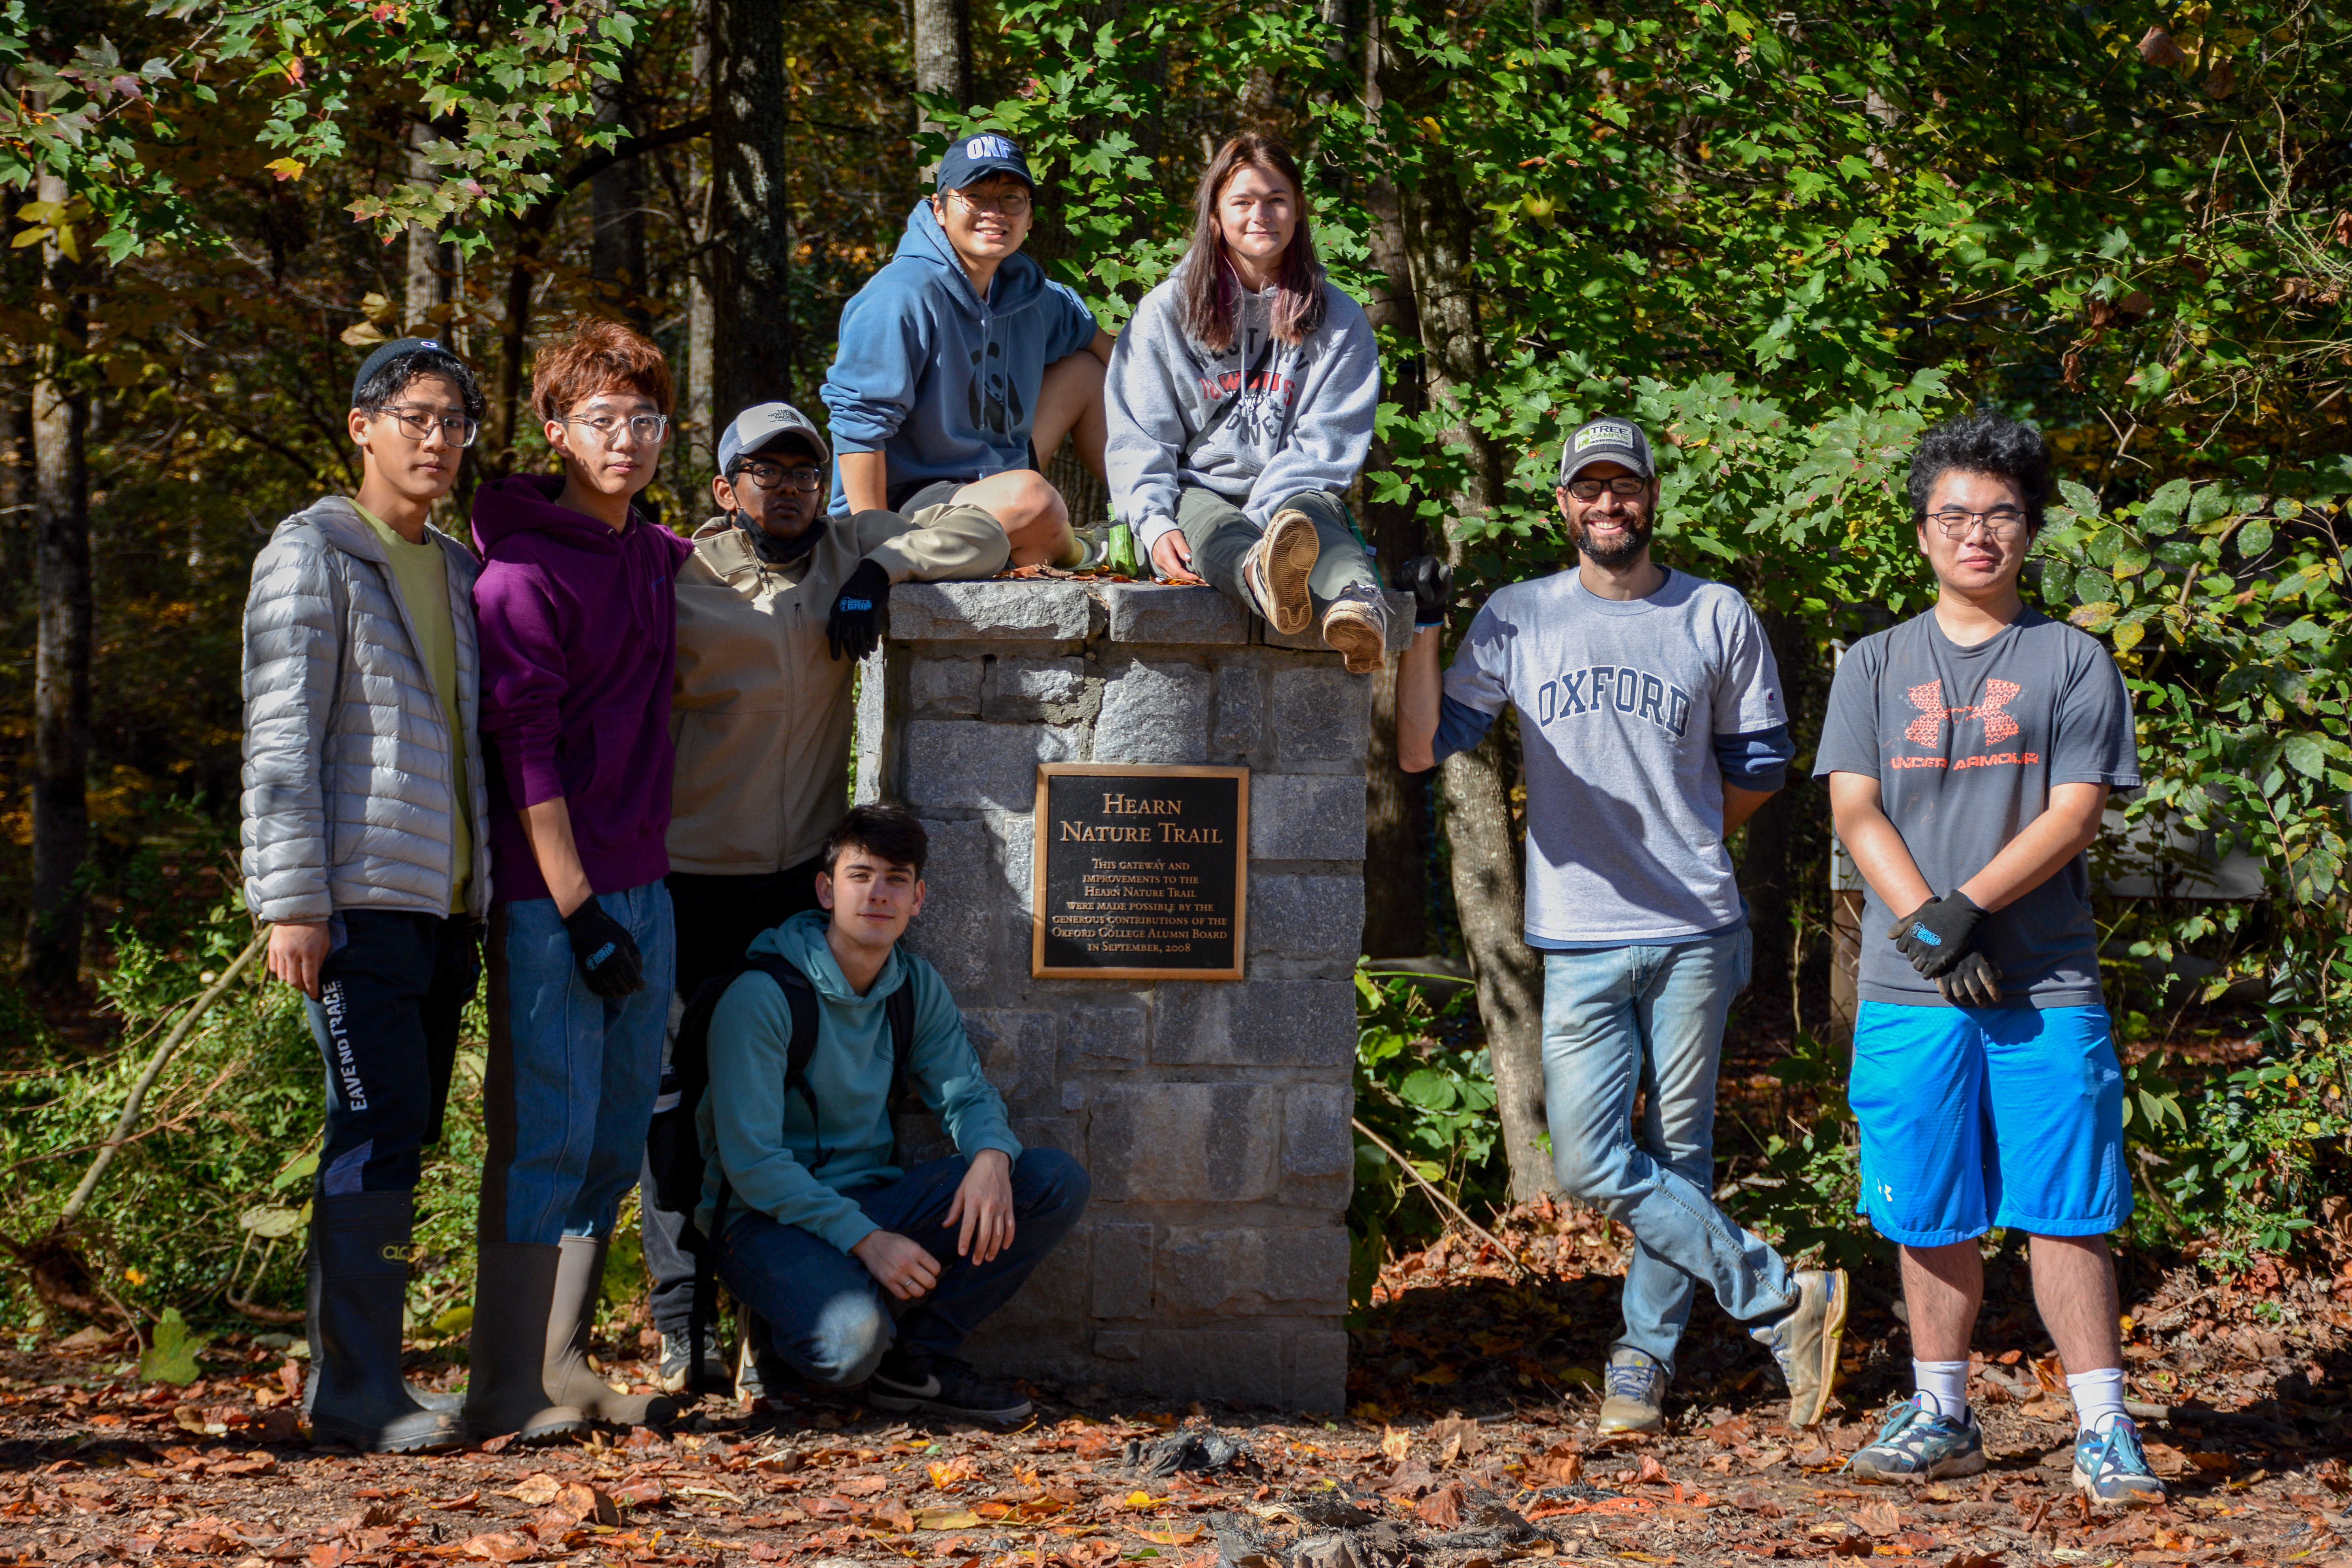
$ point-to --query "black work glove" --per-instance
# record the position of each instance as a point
(604, 951)
(855, 625)
(1431, 583)
(1973, 982)
(1934, 935)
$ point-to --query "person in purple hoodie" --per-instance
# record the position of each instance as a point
(578, 638)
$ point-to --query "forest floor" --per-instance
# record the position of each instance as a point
(1468, 1444)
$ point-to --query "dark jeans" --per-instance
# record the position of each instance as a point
(1220, 534)
(390, 996)
(830, 1320)
(716, 919)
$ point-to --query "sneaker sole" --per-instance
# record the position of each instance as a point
(1290, 552)
(1833, 1340)
(1356, 639)
(1942, 1470)
(2089, 1488)
(905, 1401)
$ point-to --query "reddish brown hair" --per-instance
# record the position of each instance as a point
(1208, 298)
(596, 356)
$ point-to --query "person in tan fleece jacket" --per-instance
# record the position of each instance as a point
(775, 609)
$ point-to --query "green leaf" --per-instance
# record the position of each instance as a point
(301, 1169)
(272, 1220)
(172, 1356)
(2253, 537)
(2306, 755)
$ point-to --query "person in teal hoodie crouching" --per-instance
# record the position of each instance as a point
(821, 1230)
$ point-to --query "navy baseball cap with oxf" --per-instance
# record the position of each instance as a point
(760, 427)
(980, 154)
(1606, 440)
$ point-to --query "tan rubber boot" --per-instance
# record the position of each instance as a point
(1277, 567)
(514, 1285)
(579, 1282)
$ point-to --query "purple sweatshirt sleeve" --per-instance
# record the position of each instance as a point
(524, 678)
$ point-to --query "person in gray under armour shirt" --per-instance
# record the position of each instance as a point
(1652, 719)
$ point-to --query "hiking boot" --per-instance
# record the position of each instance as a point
(2112, 1467)
(1634, 1388)
(1916, 1444)
(579, 1286)
(361, 1244)
(1806, 1342)
(424, 1398)
(514, 1283)
(680, 1375)
(761, 1377)
(1276, 569)
(943, 1386)
(1356, 627)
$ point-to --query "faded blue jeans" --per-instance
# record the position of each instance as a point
(573, 1074)
(830, 1320)
(1649, 1020)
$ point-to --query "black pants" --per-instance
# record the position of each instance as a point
(389, 998)
(716, 919)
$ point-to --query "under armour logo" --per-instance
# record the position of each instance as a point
(2000, 724)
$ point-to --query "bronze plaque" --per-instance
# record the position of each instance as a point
(1142, 873)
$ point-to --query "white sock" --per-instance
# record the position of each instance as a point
(2099, 1398)
(1943, 1386)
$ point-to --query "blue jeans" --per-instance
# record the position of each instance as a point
(573, 1074)
(1649, 1020)
(831, 1319)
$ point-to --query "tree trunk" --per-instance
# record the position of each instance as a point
(506, 415)
(1437, 224)
(750, 248)
(1396, 901)
(942, 50)
(61, 662)
(617, 244)
(430, 262)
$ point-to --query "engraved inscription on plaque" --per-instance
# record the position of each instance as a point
(1141, 872)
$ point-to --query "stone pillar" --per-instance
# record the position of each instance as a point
(1213, 1115)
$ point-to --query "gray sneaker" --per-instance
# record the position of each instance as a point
(1806, 1342)
(1633, 1390)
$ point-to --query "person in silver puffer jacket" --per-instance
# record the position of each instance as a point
(364, 807)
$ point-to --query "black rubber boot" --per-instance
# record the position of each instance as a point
(579, 1282)
(514, 1285)
(361, 1243)
(426, 1398)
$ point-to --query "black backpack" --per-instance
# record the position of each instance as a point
(673, 1145)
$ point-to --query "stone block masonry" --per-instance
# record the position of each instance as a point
(1213, 1114)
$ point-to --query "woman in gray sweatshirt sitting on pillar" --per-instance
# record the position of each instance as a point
(1240, 402)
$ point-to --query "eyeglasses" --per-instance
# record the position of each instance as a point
(768, 476)
(2002, 524)
(1007, 203)
(1623, 485)
(420, 422)
(611, 429)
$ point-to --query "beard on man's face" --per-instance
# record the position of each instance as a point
(1630, 544)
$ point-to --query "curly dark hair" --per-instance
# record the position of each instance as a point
(1984, 443)
(391, 379)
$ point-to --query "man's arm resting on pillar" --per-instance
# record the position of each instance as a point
(1431, 726)
(865, 480)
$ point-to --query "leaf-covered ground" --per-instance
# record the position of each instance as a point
(1469, 1445)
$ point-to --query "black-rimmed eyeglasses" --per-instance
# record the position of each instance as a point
(768, 476)
(1623, 485)
(2002, 524)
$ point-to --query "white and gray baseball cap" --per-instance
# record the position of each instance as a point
(1607, 439)
(761, 425)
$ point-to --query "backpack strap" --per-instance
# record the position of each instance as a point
(800, 998)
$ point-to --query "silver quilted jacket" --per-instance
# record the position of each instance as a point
(348, 788)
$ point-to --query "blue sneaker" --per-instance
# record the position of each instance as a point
(1918, 1444)
(1635, 1394)
(2112, 1467)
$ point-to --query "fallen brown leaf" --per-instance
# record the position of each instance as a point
(1443, 1508)
(501, 1546)
(1396, 1445)
(1880, 1517)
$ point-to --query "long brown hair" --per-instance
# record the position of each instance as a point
(1211, 292)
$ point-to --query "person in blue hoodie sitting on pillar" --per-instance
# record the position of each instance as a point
(821, 1234)
(962, 366)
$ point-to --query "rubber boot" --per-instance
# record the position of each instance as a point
(579, 1284)
(513, 1285)
(426, 1398)
(360, 1241)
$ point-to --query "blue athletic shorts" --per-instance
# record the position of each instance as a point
(1978, 1117)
